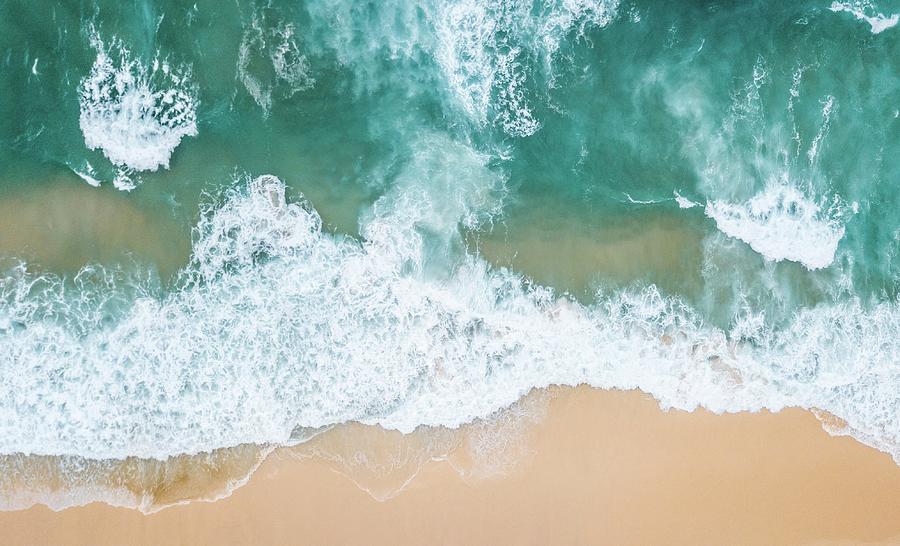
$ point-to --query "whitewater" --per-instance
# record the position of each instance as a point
(280, 326)
(335, 169)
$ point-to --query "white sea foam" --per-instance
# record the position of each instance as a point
(480, 45)
(684, 202)
(287, 71)
(278, 325)
(87, 174)
(827, 109)
(781, 223)
(485, 50)
(135, 113)
(865, 10)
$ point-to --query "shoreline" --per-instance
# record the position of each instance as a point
(576, 466)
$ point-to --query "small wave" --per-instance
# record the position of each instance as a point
(865, 11)
(87, 174)
(783, 224)
(634, 201)
(136, 114)
(685, 203)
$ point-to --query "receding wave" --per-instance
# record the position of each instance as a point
(147, 485)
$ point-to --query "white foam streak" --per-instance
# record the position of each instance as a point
(827, 109)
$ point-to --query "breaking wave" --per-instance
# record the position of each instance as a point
(135, 113)
(865, 10)
(782, 224)
(278, 326)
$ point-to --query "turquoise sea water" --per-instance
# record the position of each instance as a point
(224, 223)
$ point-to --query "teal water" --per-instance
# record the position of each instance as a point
(224, 222)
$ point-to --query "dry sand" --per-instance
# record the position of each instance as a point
(600, 468)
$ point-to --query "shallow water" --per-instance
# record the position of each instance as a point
(224, 224)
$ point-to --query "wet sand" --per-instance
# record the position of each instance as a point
(598, 467)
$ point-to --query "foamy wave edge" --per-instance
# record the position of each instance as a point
(279, 326)
(93, 487)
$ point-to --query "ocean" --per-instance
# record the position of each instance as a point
(225, 226)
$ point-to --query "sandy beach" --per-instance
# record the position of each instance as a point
(597, 467)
